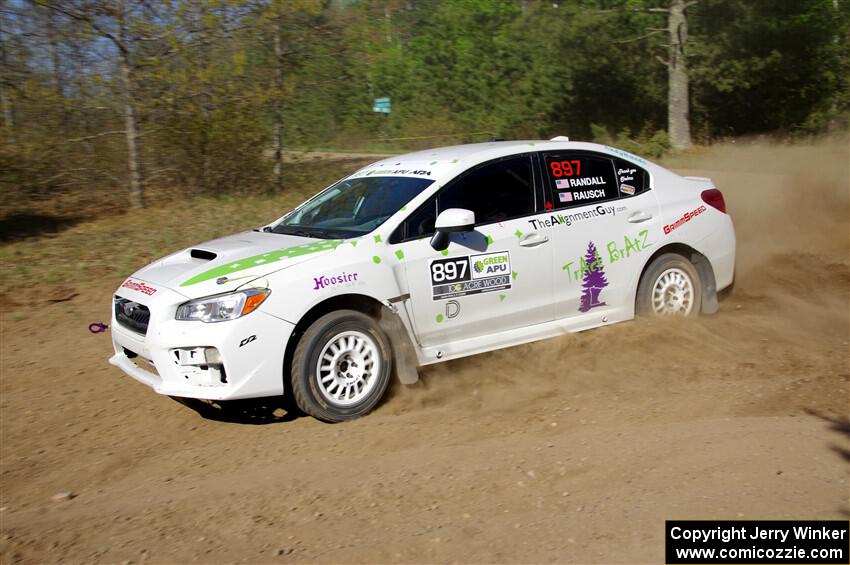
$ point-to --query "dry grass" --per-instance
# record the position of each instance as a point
(114, 245)
(118, 243)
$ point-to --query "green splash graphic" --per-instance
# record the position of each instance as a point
(270, 257)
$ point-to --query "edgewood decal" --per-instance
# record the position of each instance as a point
(472, 274)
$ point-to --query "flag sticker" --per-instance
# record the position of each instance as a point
(565, 196)
(562, 183)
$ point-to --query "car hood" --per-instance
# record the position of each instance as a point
(224, 264)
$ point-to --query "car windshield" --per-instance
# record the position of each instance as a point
(352, 207)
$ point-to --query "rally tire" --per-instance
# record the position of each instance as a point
(341, 366)
(670, 286)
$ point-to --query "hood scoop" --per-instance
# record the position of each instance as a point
(202, 254)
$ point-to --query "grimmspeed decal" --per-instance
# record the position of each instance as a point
(138, 286)
(686, 217)
(472, 274)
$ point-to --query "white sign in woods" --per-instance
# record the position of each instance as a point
(382, 105)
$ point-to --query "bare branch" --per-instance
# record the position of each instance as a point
(632, 40)
(86, 138)
(623, 10)
(663, 62)
(70, 172)
(90, 21)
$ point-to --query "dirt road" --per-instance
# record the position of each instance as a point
(570, 450)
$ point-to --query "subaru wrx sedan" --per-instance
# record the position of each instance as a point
(423, 258)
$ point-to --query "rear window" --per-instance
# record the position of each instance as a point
(631, 178)
(578, 179)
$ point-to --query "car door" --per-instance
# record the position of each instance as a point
(605, 218)
(493, 279)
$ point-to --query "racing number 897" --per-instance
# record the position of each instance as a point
(566, 168)
(449, 270)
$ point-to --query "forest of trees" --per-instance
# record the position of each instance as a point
(118, 96)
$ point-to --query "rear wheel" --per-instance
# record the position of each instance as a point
(341, 367)
(670, 287)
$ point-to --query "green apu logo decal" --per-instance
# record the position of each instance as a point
(263, 259)
(466, 275)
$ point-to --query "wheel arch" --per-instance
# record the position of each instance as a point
(700, 262)
(369, 305)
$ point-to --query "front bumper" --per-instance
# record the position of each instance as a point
(251, 366)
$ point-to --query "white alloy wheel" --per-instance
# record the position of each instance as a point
(348, 367)
(673, 293)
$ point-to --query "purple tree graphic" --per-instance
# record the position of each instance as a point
(593, 279)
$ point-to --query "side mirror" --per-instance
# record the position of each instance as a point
(453, 220)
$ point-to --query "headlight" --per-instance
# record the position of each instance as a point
(222, 307)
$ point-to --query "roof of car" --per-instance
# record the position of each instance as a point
(446, 161)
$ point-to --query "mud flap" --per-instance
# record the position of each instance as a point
(403, 352)
(710, 305)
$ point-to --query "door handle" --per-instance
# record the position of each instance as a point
(533, 240)
(639, 216)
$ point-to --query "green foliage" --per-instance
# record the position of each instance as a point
(649, 143)
(763, 66)
(209, 86)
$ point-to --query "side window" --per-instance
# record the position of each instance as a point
(497, 191)
(578, 179)
(631, 178)
(420, 223)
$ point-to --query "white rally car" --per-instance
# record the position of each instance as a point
(422, 258)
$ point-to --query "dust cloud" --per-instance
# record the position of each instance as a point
(791, 208)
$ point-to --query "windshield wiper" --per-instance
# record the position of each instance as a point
(289, 230)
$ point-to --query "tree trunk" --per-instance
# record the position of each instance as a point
(132, 128)
(278, 106)
(58, 83)
(83, 124)
(204, 101)
(5, 99)
(678, 119)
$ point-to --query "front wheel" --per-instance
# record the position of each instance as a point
(341, 367)
(670, 287)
